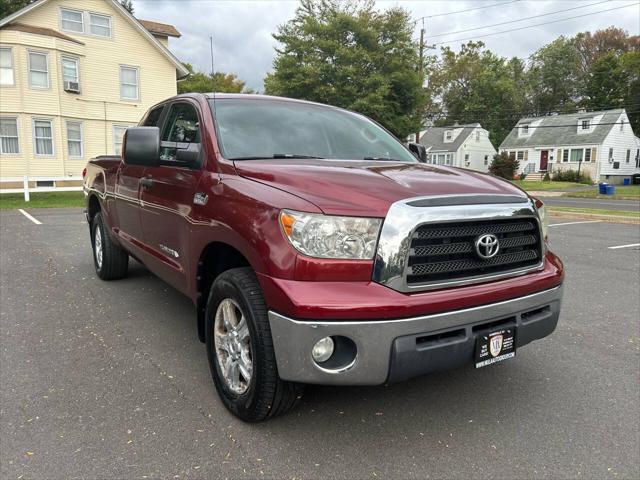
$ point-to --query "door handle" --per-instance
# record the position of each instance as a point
(146, 182)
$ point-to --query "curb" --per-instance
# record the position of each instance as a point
(594, 216)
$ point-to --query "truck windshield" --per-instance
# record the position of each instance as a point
(262, 129)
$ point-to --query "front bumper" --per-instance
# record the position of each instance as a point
(395, 350)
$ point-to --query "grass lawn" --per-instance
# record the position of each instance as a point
(595, 211)
(631, 192)
(42, 200)
(540, 186)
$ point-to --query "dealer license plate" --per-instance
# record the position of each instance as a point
(495, 347)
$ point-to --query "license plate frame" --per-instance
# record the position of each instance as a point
(495, 347)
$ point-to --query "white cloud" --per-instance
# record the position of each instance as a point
(242, 29)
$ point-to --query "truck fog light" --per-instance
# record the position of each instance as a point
(322, 350)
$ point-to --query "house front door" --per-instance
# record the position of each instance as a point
(544, 160)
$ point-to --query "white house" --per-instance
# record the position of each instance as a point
(602, 144)
(466, 146)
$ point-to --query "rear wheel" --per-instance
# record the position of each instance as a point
(111, 261)
(240, 350)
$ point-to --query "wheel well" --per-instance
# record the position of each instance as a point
(93, 207)
(215, 259)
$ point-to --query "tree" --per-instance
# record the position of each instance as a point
(349, 55)
(604, 83)
(504, 165)
(128, 4)
(475, 85)
(7, 7)
(205, 82)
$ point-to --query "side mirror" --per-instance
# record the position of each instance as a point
(189, 155)
(141, 146)
(419, 151)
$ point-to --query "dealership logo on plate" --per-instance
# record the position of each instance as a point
(495, 345)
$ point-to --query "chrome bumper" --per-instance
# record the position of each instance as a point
(393, 350)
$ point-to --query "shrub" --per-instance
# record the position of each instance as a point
(504, 166)
(523, 176)
(571, 176)
(546, 178)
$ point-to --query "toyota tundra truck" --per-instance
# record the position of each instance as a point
(317, 249)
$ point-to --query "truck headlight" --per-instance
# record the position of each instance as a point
(328, 236)
(544, 219)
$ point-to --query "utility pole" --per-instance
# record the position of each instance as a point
(212, 70)
(421, 69)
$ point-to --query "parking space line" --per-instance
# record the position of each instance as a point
(624, 246)
(34, 220)
(575, 223)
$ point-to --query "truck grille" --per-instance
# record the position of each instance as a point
(443, 252)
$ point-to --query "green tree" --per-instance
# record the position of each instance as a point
(7, 7)
(475, 85)
(504, 165)
(605, 83)
(349, 55)
(555, 76)
(128, 4)
(205, 82)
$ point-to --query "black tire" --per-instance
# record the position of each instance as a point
(115, 261)
(266, 394)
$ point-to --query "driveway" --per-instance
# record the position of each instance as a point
(108, 380)
(624, 205)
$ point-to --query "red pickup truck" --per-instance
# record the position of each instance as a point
(317, 249)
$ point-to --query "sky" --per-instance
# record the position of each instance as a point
(242, 29)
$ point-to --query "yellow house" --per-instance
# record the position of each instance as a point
(74, 74)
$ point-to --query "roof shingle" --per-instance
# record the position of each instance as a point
(163, 29)
(21, 27)
(434, 137)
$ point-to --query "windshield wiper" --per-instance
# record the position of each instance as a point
(385, 159)
(275, 155)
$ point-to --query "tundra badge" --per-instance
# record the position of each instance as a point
(200, 198)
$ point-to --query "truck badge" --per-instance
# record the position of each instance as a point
(487, 246)
(200, 198)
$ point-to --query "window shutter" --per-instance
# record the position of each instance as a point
(526, 155)
(559, 159)
(594, 154)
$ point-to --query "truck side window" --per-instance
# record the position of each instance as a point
(154, 117)
(181, 128)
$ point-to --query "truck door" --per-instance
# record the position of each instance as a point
(168, 195)
(127, 193)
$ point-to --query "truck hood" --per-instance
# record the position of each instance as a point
(367, 188)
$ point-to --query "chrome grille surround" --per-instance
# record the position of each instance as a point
(449, 212)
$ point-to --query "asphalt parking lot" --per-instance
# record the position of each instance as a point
(109, 380)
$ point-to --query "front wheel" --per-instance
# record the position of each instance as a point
(240, 350)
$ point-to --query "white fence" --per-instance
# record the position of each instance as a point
(26, 189)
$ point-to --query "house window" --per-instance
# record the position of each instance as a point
(70, 70)
(520, 155)
(622, 125)
(129, 83)
(486, 159)
(585, 124)
(638, 158)
(611, 154)
(587, 154)
(448, 135)
(43, 137)
(524, 130)
(628, 156)
(118, 136)
(71, 20)
(6, 67)
(477, 135)
(577, 154)
(74, 139)
(9, 141)
(565, 155)
(100, 25)
(441, 159)
(466, 158)
(38, 70)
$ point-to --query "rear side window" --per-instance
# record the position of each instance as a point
(154, 117)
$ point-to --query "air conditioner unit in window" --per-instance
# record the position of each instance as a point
(73, 87)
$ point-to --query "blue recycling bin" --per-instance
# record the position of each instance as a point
(602, 188)
(626, 181)
(610, 190)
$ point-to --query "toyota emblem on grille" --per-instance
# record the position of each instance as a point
(487, 246)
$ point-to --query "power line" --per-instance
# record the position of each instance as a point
(518, 20)
(466, 10)
(536, 25)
